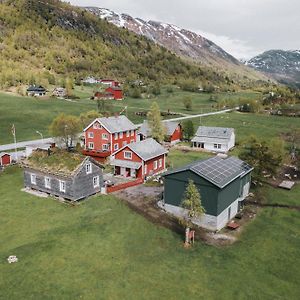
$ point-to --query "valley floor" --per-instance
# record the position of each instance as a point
(102, 250)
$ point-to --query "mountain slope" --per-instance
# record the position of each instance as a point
(183, 42)
(51, 39)
(282, 65)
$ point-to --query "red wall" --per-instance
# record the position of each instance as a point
(98, 141)
(5, 159)
(118, 94)
(177, 135)
(149, 163)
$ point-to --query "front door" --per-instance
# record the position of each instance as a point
(229, 213)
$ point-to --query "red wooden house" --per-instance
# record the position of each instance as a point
(5, 159)
(116, 91)
(140, 159)
(173, 132)
(106, 135)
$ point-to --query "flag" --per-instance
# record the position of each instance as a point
(13, 130)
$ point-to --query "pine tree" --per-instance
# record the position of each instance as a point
(155, 124)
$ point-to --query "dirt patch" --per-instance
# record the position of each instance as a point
(143, 200)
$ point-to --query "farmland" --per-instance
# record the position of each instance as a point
(102, 250)
(31, 114)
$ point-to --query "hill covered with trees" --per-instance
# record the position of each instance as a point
(45, 41)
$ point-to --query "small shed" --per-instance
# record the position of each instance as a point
(36, 91)
(5, 159)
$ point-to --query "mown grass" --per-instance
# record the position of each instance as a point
(102, 250)
(32, 114)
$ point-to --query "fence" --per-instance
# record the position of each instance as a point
(122, 186)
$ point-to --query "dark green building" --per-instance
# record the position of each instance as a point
(223, 184)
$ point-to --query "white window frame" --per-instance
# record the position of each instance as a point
(62, 186)
(127, 133)
(96, 181)
(47, 182)
(129, 154)
(105, 147)
(90, 135)
(104, 136)
(121, 135)
(116, 147)
(132, 132)
(33, 178)
(116, 136)
(155, 165)
(91, 145)
(88, 168)
(217, 146)
(160, 163)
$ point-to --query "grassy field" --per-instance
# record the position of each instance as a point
(102, 250)
(31, 114)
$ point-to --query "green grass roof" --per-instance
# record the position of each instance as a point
(58, 161)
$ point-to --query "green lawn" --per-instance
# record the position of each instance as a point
(102, 250)
(32, 114)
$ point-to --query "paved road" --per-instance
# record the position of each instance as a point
(50, 140)
(24, 144)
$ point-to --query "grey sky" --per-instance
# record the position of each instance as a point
(244, 28)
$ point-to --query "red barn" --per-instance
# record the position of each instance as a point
(5, 159)
(116, 91)
(140, 159)
(103, 96)
(106, 135)
(173, 132)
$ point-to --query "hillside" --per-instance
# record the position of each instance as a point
(182, 42)
(52, 40)
(283, 66)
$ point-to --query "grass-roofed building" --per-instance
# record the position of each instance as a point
(68, 175)
(223, 184)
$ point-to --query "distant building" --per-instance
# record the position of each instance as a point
(110, 82)
(91, 80)
(5, 159)
(140, 159)
(223, 184)
(116, 91)
(216, 139)
(36, 91)
(59, 92)
(83, 181)
(173, 132)
(103, 96)
(104, 136)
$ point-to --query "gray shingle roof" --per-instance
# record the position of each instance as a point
(147, 149)
(117, 124)
(169, 126)
(214, 132)
(217, 170)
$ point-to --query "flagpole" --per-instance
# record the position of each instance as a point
(15, 140)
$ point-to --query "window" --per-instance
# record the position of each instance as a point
(116, 136)
(62, 186)
(104, 136)
(96, 181)
(217, 146)
(90, 135)
(33, 178)
(121, 135)
(105, 147)
(91, 145)
(155, 165)
(127, 154)
(116, 147)
(88, 168)
(97, 126)
(160, 163)
(132, 132)
(127, 133)
(47, 182)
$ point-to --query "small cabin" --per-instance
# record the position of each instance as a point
(5, 159)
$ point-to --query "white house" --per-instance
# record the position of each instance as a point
(216, 139)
